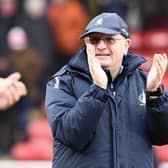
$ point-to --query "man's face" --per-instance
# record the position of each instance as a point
(8, 8)
(109, 49)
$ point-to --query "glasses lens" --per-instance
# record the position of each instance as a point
(108, 40)
(94, 40)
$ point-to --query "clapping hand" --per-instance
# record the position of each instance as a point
(157, 71)
(99, 76)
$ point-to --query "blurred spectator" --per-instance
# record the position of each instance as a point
(17, 38)
(27, 61)
(68, 19)
(33, 20)
(158, 17)
(38, 145)
(152, 14)
(8, 13)
(134, 15)
(97, 6)
(11, 127)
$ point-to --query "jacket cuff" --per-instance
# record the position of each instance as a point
(155, 102)
(98, 93)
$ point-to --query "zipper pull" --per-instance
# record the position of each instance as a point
(112, 89)
(114, 93)
(111, 86)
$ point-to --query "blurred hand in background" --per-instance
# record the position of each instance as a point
(11, 90)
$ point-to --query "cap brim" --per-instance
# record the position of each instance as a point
(100, 30)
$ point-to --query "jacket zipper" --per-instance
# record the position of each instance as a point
(115, 119)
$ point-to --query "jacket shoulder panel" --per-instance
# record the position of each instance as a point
(61, 72)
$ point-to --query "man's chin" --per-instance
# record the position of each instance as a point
(105, 67)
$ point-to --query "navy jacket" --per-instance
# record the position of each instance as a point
(97, 128)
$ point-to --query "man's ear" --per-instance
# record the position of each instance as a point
(127, 45)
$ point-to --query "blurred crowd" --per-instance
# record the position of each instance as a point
(37, 37)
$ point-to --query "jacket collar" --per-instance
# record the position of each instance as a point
(79, 63)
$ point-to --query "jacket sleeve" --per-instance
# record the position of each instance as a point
(74, 121)
(157, 119)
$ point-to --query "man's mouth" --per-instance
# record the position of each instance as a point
(102, 55)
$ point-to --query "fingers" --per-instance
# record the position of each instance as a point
(157, 71)
(97, 73)
(16, 91)
(90, 49)
(4, 83)
(160, 61)
(11, 97)
(6, 99)
(87, 40)
(17, 87)
(15, 76)
(12, 91)
(12, 94)
(94, 64)
(20, 88)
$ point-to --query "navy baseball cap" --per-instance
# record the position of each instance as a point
(107, 23)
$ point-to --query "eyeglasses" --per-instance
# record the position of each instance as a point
(107, 40)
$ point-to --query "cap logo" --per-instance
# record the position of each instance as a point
(124, 31)
(99, 22)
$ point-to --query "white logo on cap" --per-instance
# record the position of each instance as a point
(125, 31)
(99, 22)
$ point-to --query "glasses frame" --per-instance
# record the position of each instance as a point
(107, 40)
